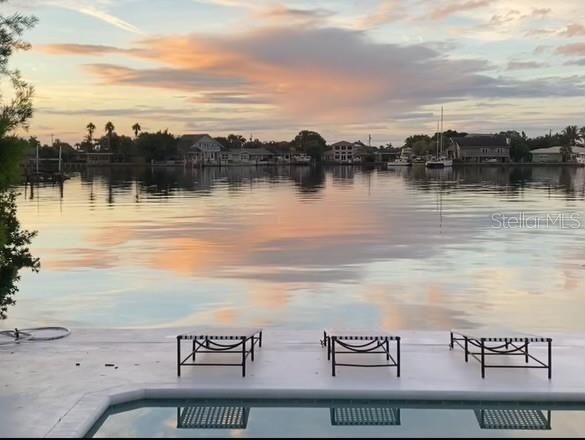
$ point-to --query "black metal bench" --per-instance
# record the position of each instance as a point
(350, 342)
(219, 341)
(480, 344)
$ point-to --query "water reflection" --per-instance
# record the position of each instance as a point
(306, 247)
(338, 418)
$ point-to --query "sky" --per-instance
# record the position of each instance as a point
(268, 69)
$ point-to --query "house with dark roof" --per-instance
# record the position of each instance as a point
(250, 155)
(477, 148)
(201, 149)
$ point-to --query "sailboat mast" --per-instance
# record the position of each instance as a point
(437, 142)
(441, 129)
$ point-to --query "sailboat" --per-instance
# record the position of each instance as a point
(440, 160)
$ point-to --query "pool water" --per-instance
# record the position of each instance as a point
(338, 418)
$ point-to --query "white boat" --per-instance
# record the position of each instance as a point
(440, 162)
(399, 163)
(302, 159)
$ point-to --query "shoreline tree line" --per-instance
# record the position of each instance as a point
(164, 145)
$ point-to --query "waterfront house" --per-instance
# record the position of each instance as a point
(555, 155)
(343, 152)
(201, 149)
(250, 155)
(281, 153)
(478, 148)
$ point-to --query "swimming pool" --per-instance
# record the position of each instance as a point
(339, 418)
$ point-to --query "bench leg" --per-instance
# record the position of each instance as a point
(178, 357)
(466, 350)
(398, 357)
(482, 359)
(549, 359)
(243, 357)
(332, 351)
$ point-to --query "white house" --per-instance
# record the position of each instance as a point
(343, 152)
(201, 148)
(554, 155)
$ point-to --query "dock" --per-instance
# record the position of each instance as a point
(60, 388)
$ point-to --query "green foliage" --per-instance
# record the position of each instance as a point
(90, 131)
(12, 151)
(566, 152)
(157, 146)
(422, 147)
(519, 150)
(232, 142)
(14, 252)
(311, 143)
(18, 110)
(136, 128)
(14, 242)
(570, 135)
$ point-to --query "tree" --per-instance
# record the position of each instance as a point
(157, 146)
(109, 130)
(411, 140)
(582, 135)
(310, 143)
(422, 147)
(566, 153)
(136, 129)
(519, 151)
(570, 135)
(18, 110)
(14, 242)
(90, 130)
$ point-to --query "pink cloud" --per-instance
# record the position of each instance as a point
(572, 49)
(573, 30)
(454, 8)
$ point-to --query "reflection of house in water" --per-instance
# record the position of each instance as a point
(343, 174)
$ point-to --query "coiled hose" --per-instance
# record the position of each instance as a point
(33, 334)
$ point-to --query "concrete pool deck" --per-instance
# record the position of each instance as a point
(60, 388)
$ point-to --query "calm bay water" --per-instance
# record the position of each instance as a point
(307, 248)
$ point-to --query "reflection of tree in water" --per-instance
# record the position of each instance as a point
(509, 179)
(308, 179)
(14, 251)
(165, 182)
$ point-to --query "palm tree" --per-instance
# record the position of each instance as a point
(571, 134)
(137, 129)
(109, 130)
(90, 129)
(582, 134)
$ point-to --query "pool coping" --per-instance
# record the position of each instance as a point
(80, 419)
